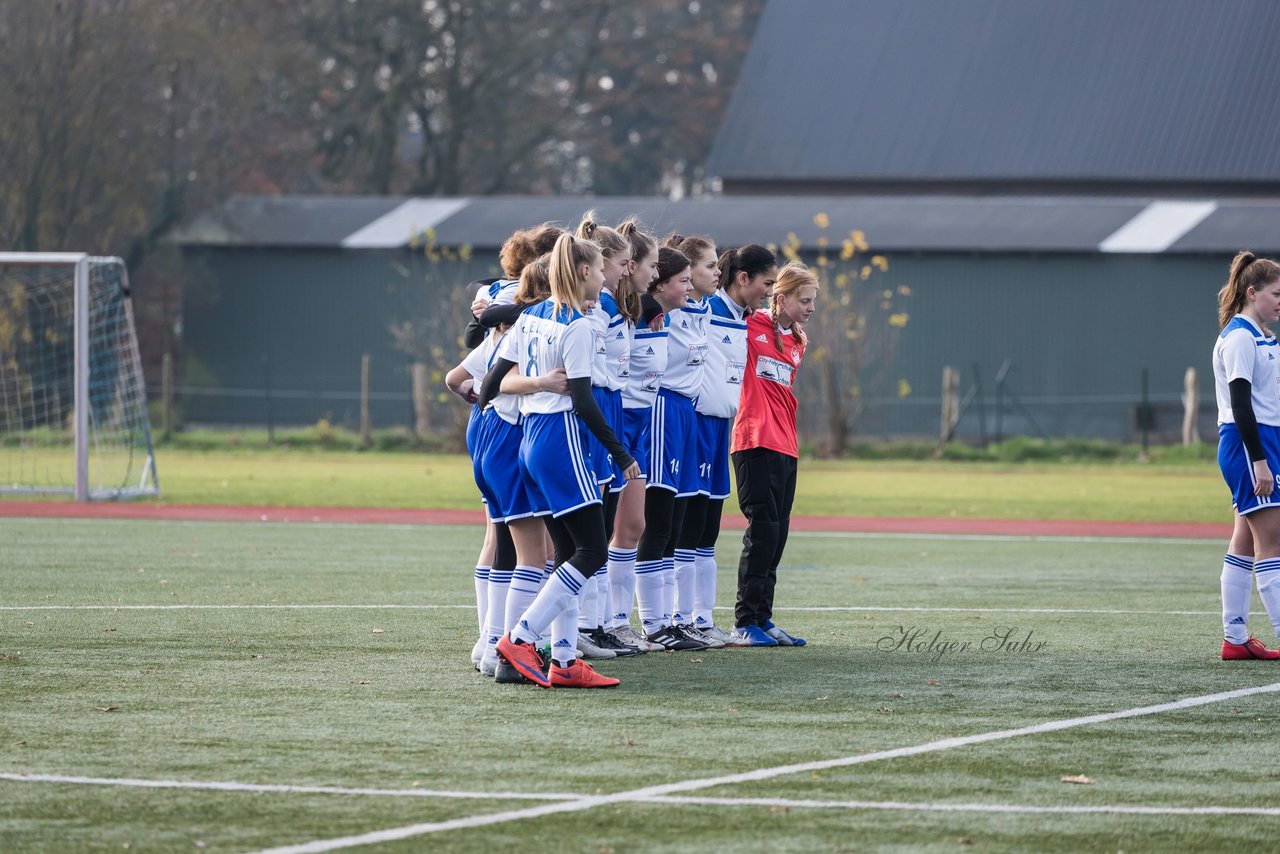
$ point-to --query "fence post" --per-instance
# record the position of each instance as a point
(266, 393)
(366, 425)
(1190, 405)
(421, 411)
(166, 396)
(950, 401)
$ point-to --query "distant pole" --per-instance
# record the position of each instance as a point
(366, 425)
(1190, 403)
(950, 401)
(1146, 418)
(421, 391)
(266, 393)
(166, 396)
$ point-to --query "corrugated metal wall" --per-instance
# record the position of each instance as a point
(1079, 331)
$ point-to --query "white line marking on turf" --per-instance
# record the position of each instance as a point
(1014, 538)
(952, 807)
(650, 792)
(657, 799)
(285, 789)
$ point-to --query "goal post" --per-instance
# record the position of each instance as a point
(73, 405)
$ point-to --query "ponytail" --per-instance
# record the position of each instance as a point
(535, 282)
(611, 243)
(1247, 271)
(641, 246)
(562, 273)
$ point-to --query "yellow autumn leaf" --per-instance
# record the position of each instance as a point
(899, 320)
(904, 388)
(821, 220)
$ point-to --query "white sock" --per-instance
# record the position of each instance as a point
(622, 586)
(1267, 574)
(704, 587)
(668, 589)
(649, 594)
(526, 581)
(495, 619)
(482, 596)
(682, 613)
(558, 595)
(589, 604)
(601, 578)
(564, 635)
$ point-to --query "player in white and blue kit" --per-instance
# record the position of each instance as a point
(647, 363)
(673, 444)
(743, 278)
(556, 468)
(1246, 373)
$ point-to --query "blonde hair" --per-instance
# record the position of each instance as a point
(791, 278)
(567, 256)
(1247, 271)
(611, 243)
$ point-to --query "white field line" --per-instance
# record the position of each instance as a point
(788, 803)
(651, 792)
(1122, 809)
(285, 789)
(1002, 609)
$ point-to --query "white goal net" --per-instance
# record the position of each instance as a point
(73, 404)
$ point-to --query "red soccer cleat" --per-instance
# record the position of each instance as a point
(524, 658)
(1252, 649)
(580, 675)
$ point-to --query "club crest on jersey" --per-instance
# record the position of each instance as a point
(795, 355)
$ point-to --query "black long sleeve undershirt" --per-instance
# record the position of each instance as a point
(584, 406)
(1246, 420)
(649, 309)
(497, 315)
(588, 411)
(474, 332)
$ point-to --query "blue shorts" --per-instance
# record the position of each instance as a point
(606, 470)
(1237, 471)
(473, 427)
(713, 455)
(636, 427)
(673, 444)
(556, 469)
(496, 463)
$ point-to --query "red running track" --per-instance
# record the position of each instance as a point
(732, 521)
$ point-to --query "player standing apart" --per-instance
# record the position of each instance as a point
(766, 451)
(1245, 377)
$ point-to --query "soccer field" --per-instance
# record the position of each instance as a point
(243, 687)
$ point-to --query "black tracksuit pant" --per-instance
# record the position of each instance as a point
(766, 491)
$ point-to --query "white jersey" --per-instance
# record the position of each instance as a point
(1244, 351)
(478, 363)
(686, 348)
(648, 364)
(542, 340)
(726, 357)
(611, 344)
(503, 292)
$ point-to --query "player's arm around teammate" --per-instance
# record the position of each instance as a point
(1246, 373)
(552, 334)
(766, 451)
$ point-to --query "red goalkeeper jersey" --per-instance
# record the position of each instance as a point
(767, 413)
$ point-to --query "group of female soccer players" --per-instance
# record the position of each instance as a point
(613, 379)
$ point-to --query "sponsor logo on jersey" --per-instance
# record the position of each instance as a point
(728, 340)
(648, 351)
(762, 339)
(684, 324)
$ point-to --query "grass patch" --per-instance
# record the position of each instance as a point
(365, 695)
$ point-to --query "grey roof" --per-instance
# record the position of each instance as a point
(898, 223)
(1178, 92)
